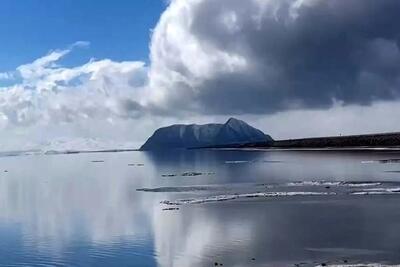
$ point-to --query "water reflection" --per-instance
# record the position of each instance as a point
(57, 203)
(84, 209)
(279, 233)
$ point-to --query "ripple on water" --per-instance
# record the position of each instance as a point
(268, 191)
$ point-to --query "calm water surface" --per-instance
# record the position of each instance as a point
(86, 210)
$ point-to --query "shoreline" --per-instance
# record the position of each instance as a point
(380, 141)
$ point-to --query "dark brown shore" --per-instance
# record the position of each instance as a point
(390, 140)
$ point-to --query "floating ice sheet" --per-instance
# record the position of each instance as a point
(242, 196)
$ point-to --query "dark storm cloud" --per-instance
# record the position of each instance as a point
(298, 54)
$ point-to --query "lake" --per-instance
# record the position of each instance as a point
(200, 208)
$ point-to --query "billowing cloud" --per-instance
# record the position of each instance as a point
(264, 56)
(270, 62)
(6, 76)
(45, 92)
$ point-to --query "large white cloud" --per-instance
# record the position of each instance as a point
(45, 92)
(43, 100)
(260, 57)
(271, 62)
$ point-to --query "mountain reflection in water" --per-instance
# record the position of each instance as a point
(84, 209)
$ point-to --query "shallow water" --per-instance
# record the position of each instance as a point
(198, 208)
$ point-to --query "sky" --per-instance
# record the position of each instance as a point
(118, 30)
(118, 70)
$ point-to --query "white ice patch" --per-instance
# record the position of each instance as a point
(395, 189)
(333, 183)
(246, 195)
(313, 183)
(381, 161)
(368, 161)
(378, 191)
(366, 184)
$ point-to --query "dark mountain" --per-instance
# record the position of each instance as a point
(234, 131)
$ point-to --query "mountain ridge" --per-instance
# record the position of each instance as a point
(213, 134)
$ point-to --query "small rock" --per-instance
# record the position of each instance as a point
(165, 209)
(191, 174)
(168, 175)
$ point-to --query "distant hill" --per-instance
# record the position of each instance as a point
(234, 131)
(379, 140)
(365, 140)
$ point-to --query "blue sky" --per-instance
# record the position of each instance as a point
(212, 59)
(119, 30)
